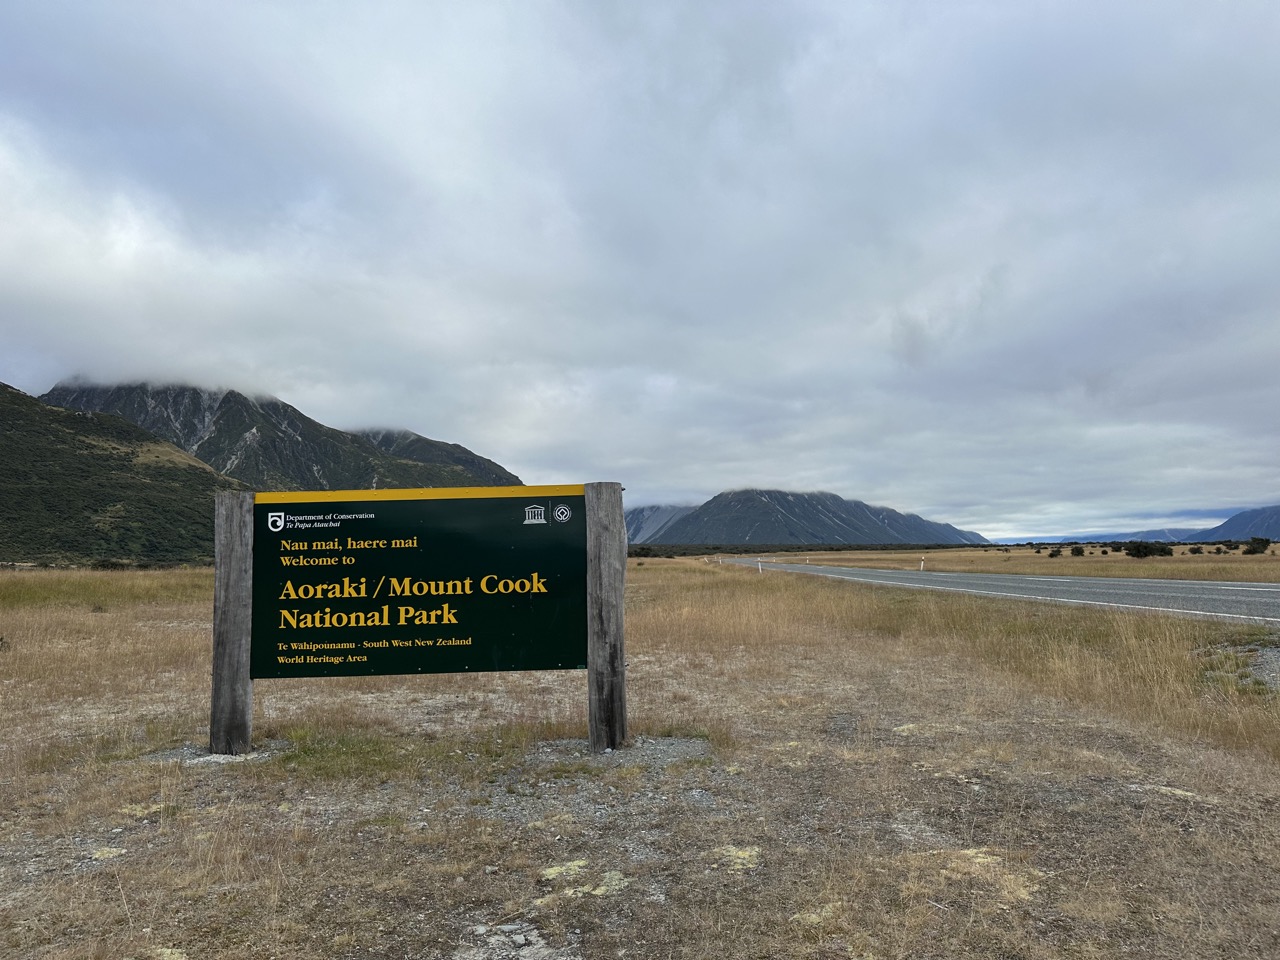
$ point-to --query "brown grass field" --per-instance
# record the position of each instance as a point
(816, 770)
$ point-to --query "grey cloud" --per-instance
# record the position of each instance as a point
(1009, 265)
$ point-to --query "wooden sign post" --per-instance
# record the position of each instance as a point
(418, 581)
(231, 709)
(606, 660)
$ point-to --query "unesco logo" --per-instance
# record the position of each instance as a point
(536, 513)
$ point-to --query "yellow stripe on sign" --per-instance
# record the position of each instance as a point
(420, 493)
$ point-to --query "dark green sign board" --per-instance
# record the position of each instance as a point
(352, 583)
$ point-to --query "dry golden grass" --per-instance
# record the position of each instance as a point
(165, 453)
(1021, 559)
(1148, 668)
(817, 770)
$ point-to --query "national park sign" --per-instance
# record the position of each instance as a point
(437, 580)
(419, 581)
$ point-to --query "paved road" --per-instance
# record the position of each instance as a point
(1257, 602)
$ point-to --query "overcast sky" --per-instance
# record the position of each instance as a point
(1009, 265)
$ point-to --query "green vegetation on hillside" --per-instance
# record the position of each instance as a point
(93, 488)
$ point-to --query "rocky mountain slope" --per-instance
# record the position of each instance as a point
(270, 445)
(776, 517)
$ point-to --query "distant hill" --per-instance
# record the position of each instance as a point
(77, 488)
(645, 524)
(1165, 534)
(776, 517)
(269, 445)
(1262, 522)
(1158, 535)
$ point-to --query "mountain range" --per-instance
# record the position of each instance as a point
(269, 445)
(778, 518)
(1258, 522)
(96, 473)
(1262, 522)
(128, 473)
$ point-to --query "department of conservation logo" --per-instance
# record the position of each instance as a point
(275, 522)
